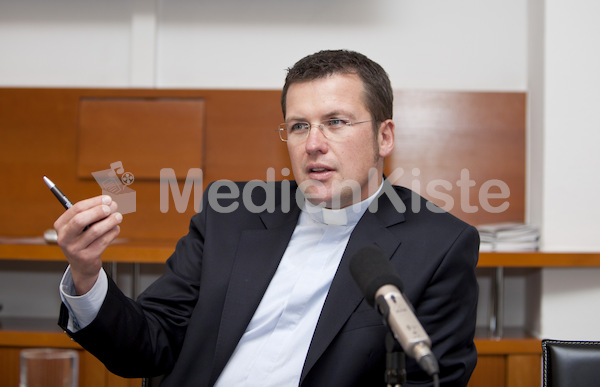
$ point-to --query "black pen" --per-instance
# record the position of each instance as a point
(58, 193)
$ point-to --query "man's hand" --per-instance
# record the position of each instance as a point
(83, 247)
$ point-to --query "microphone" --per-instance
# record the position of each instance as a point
(379, 283)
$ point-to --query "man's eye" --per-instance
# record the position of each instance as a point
(298, 126)
(335, 123)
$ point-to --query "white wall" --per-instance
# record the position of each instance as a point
(437, 44)
(64, 43)
(564, 95)
(572, 126)
(569, 305)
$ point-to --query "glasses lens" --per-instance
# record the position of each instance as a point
(333, 127)
(294, 131)
(283, 132)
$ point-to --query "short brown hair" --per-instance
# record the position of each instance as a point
(378, 89)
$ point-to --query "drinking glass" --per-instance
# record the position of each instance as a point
(49, 367)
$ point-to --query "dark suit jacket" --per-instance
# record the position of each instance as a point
(187, 323)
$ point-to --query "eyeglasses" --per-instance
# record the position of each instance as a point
(298, 131)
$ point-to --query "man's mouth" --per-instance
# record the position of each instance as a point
(319, 172)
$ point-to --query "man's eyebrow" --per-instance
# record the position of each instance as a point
(331, 114)
(295, 119)
(337, 113)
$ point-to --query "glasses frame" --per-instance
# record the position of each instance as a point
(283, 127)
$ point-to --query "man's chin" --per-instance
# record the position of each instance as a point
(318, 200)
(329, 202)
(325, 196)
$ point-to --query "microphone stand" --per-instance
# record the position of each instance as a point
(395, 373)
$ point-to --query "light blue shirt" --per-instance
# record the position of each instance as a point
(82, 309)
(275, 344)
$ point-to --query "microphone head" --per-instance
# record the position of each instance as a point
(371, 270)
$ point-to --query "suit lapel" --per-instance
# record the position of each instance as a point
(258, 255)
(344, 295)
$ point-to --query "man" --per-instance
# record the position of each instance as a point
(267, 299)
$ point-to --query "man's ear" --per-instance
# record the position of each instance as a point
(385, 138)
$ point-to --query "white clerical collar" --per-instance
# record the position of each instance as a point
(347, 216)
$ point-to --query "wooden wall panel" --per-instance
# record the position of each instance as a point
(438, 132)
(141, 133)
(440, 135)
(39, 136)
(524, 371)
(92, 372)
(9, 366)
(241, 140)
(489, 372)
(507, 370)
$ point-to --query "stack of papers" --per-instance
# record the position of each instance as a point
(508, 237)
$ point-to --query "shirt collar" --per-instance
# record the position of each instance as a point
(347, 216)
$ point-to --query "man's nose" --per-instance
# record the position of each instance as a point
(316, 140)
